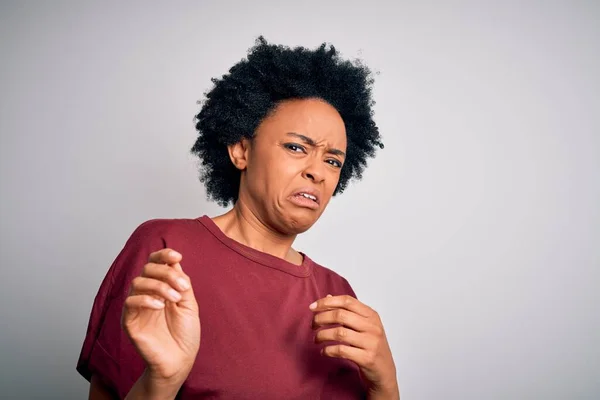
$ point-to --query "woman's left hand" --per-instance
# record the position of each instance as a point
(361, 339)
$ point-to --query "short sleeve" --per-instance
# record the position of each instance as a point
(348, 288)
(107, 351)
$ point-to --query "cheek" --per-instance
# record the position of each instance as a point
(274, 174)
(291, 168)
(285, 168)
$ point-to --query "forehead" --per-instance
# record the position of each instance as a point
(310, 117)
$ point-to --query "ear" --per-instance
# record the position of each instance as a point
(238, 153)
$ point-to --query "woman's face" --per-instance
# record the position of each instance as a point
(292, 166)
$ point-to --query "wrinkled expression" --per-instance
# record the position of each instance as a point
(291, 168)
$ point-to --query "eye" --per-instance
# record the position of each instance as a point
(335, 163)
(296, 148)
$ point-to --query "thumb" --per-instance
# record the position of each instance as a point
(177, 267)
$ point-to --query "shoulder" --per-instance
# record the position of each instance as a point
(166, 232)
(327, 272)
(164, 227)
(148, 237)
(333, 282)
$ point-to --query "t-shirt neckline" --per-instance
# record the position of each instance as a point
(303, 270)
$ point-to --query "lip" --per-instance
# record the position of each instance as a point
(302, 201)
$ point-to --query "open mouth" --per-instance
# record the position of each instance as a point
(306, 199)
(308, 196)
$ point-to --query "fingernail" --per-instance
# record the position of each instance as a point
(313, 306)
(173, 253)
(174, 295)
(329, 295)
(158, 303)
(183, 284)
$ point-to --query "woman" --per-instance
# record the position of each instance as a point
(279, 135)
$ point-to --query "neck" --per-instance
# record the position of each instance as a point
(245, 226)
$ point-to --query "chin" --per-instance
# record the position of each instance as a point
(296, 223)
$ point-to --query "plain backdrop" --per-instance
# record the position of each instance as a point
(475, 233)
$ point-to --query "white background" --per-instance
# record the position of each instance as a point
(475, 233)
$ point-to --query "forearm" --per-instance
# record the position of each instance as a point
(147, 388)
(390, 393)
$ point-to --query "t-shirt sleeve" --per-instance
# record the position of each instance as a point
(347, 288)
(107, 351)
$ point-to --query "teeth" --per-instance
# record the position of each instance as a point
(309, 196)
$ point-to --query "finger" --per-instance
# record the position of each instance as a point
(137, 302)
(359, 356)
(344, 336)
(156, 288)
(177, 267)
(165, 256)
(345, 301)
(166, 273)
(342, 317)
(177, 279)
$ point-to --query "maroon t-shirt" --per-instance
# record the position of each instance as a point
(257, 340)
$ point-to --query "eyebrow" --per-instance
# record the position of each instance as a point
(311, 142)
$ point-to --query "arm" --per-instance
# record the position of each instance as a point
(144, 388)
(392, 393)
(359, 337)
(147, 388)
(123, 324)
(99, 391)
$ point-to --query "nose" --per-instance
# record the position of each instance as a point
(314, 171)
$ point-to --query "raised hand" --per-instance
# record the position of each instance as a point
(361, 339)
(160, 316)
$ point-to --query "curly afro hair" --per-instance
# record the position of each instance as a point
(270, 74)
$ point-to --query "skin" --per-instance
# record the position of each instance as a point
(300, 146)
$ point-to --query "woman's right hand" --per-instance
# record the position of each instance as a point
(161, 318)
